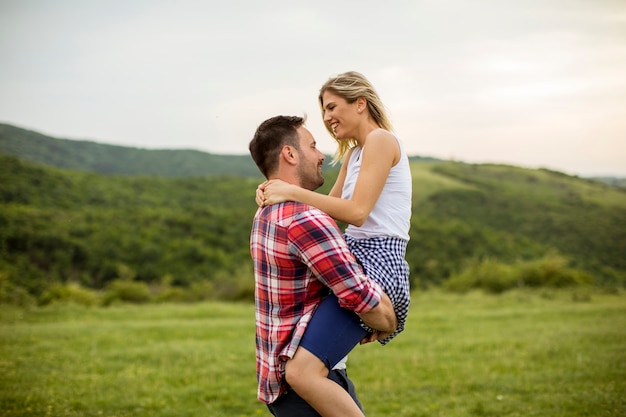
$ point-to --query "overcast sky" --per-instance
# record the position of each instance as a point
(533, 83)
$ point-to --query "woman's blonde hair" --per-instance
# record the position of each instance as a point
(352, 85)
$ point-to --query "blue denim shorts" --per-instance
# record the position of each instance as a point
(332, 332)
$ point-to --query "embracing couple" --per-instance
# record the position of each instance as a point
(320, 292)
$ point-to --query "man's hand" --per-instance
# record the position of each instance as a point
(372, 337)
(369, 338)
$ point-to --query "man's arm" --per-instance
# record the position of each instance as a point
(382, 317)
(323, 249)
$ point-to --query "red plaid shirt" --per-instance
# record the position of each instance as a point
(298, 253)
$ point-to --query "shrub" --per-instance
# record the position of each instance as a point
(235, 286)
(487, 274)
(13, 294)
(72, 293)
(127, 291)
(172, 295)
(202, 291)
(550, 271)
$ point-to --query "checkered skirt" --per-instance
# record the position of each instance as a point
(383, 259)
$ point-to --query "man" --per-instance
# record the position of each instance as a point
(299, 253)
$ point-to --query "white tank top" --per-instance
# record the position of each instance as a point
(391, 215)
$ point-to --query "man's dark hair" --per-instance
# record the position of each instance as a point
(269, 139)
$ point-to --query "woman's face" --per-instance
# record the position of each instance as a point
(339, 115)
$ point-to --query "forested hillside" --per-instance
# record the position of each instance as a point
(59, 226)
(109, 159)
(506, 213)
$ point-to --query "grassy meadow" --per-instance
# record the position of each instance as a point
(522, 353)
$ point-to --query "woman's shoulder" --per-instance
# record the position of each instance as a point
(381, 140)
(382, 137)
(381, 133)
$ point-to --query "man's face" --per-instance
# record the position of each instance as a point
(310, 161)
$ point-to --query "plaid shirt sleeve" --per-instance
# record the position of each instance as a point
(317, 241)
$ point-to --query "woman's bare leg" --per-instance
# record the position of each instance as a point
(307, 375)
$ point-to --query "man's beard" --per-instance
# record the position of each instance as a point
(310, 182)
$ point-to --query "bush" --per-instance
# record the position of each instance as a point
(488, 274)
(235, 286)
(127, 291)
(72, 293)
(13, 294)
(550, 271)
(202, 291)
(172, 295)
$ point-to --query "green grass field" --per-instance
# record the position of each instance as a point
(541, 353)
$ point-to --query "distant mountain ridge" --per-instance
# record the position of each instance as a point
(85, 155)
(92, 156)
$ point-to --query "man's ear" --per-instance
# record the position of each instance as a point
(289, 153)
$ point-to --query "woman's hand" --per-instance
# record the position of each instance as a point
(275, 191)
(260, 194)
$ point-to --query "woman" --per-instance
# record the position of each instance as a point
(373, 195)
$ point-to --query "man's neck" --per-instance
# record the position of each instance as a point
(286, 177)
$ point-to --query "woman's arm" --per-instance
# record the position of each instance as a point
(280, 190)
(379, 155)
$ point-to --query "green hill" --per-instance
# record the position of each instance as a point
(59, 226)
(613, 181)
(478, 212)
(109, 159)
